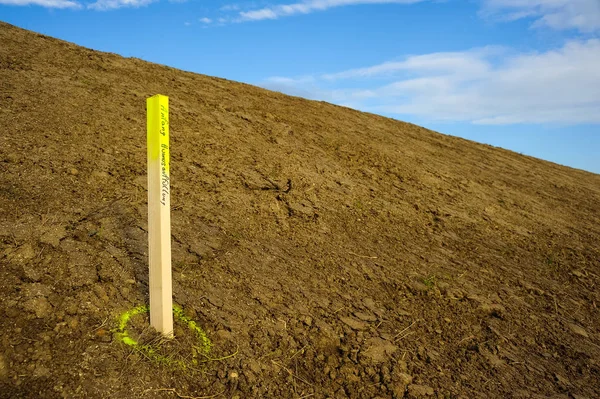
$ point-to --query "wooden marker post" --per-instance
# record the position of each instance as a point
(159, 215)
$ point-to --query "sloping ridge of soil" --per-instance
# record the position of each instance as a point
(328, 252)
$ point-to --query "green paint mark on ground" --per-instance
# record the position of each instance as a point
(202, 348)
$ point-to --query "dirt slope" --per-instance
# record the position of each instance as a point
(325, 251)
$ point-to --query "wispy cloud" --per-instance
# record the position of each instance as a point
(230, 7)
(581, 15)
(104, 5)
(291, 81)
(98, 5)
(471, 63)
(43, 3)
(307, 7)
(205, 20)
(482, 86)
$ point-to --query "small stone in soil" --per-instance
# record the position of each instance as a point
(233, 375)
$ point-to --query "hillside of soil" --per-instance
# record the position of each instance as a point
(326, 253)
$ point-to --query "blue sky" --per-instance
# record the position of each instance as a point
(519, 74)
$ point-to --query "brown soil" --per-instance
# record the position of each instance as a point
(331, 253)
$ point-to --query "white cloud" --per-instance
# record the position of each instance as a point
(103, 5)
(205, 20)
(43, 3)
(306, 7)
(582, 15)
(485, 86)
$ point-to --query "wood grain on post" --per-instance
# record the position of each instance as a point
(159, 215)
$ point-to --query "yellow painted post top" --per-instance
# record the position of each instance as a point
(158, 130)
